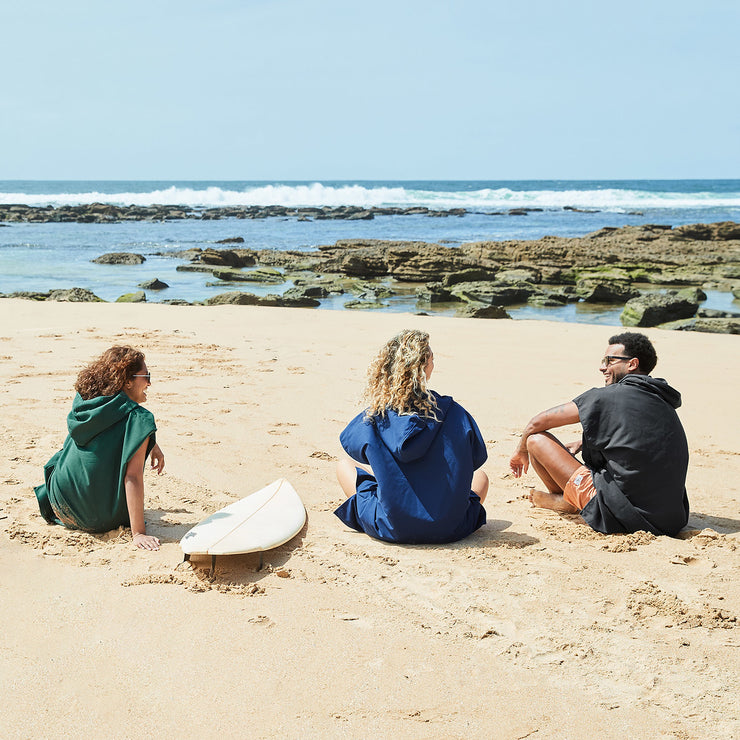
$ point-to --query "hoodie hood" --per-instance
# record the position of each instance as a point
(408, 437)
(656, 386)
(89, 418)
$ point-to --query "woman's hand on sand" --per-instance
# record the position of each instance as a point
(157, 458)
(146, 541)
(519, 463)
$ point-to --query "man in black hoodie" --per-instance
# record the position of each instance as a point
(633, 446)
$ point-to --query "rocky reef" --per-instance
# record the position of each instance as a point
(656, 272)
(105, 213)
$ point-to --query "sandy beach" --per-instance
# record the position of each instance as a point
(533, 627)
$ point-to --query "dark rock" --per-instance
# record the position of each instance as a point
(194, 267)
(138, 297)
(155, 284)
(696, 295)
(726, 230)
(260, 275)
(365, 305)
(320, 286)
(288, 301)
(519, 275)
(435, 293)
(369, 291)
(249, 299)
(713, 313)
(226, 257)
(234, 297)
(185, 254)
(363, 265)
(549, 299)
(231, 240)
(706, 325)
(721, 231)
(493, 294)
(472, 274)
(120, 258)
(28, 295)
(74, 295)
(652, 309)
(481, 311)
(598, 291)
(307, 291)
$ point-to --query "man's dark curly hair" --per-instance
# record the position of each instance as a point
(107, 375)
(639, 346)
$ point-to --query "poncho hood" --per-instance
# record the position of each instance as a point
(88, 419)
(656, 386)
(409, 437)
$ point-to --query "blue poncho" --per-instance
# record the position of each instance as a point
(423, 468)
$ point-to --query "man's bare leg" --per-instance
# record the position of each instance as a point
(554, 464)
(554, 501)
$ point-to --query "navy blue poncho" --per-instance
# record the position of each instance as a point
(423, 468)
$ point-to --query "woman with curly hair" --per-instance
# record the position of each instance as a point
(412, 474)
(96, 481)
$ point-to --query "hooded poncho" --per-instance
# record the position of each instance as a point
(423, 468)
(84, 480)
(636, 449)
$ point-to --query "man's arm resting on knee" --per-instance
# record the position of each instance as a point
(558, 416)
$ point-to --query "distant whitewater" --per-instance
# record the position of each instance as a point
(613, 196)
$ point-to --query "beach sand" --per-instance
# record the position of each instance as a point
(533, 627)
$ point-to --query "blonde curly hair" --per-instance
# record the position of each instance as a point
(396, 379)
(107, 375)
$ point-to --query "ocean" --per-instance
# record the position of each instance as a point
(44, 256)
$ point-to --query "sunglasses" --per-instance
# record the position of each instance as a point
(148, 376)
(609, 359)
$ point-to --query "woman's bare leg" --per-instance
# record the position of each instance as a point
(347, 476)
(480, 484)
(554, 465)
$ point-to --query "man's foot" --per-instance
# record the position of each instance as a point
(554, 501)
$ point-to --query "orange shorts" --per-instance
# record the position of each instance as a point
(579, 489)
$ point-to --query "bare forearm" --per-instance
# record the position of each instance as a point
(135, 502)
(558, 416)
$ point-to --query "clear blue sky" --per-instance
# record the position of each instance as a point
(334, 89)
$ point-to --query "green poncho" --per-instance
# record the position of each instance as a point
(84, 480)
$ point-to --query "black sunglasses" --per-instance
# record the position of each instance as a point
(608, 359)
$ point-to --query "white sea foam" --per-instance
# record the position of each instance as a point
(318, 194)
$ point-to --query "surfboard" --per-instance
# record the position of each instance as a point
(261, 521)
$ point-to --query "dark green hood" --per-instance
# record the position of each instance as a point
(88, 419)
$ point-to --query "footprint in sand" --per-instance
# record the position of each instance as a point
(320, 455)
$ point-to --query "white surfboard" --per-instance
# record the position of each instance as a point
(265, 519)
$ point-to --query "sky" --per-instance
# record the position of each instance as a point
(342, 90)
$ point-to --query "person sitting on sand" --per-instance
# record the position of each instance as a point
(633, 446)
(96, 481)
(423, 452)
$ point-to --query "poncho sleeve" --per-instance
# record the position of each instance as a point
(356, 437)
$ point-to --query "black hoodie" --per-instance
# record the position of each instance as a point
(636, 449)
